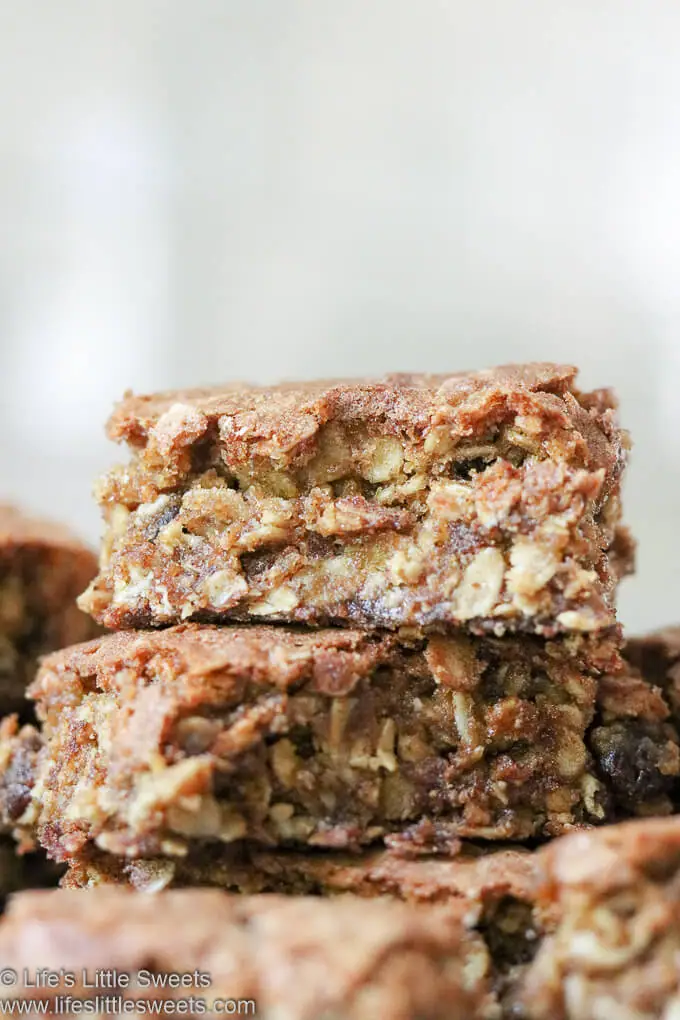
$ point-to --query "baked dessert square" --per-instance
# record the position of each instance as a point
(298, 959)
(583, 928)
(159, 743)
(489, 500)
(615, 950)
(496, 891)
(43, 568)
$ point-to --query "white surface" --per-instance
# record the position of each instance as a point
(268, 188)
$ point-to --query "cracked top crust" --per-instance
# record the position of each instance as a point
(280, 422)
(271, 655)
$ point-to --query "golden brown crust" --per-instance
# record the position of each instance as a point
(285, 414)
(272, 656)
(414, 501)
(161, 742)
(496, 892)
(342, 959)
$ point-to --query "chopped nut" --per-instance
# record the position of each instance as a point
(151, 876)
(138, 585)
(195, 816)
(399, 492)
(533, 565)
(285, 762)
(580, 581)
(225, 588)
(233, 825)
(481, 586)
(451, 501)
(156, 791)
(408, 567)
(280, 600)
(475, 451)
(386, 460)
(264, 535)
(517, 437)
(356, 516)
(171, 535)
(281, 812)
(571, 755)
(580, 620)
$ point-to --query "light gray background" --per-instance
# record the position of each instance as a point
(277, 188)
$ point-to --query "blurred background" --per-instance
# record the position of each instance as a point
(267, 189)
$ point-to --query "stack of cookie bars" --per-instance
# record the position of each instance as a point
(365, 638)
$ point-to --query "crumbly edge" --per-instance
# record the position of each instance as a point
(159, 742)
(340, 770)
(206, 520)
(616, 943)
(523, 548)
(281, 428)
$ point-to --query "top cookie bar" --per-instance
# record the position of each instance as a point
(489, 499)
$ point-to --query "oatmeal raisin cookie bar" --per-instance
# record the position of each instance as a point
(160, 742)
(489, 500)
